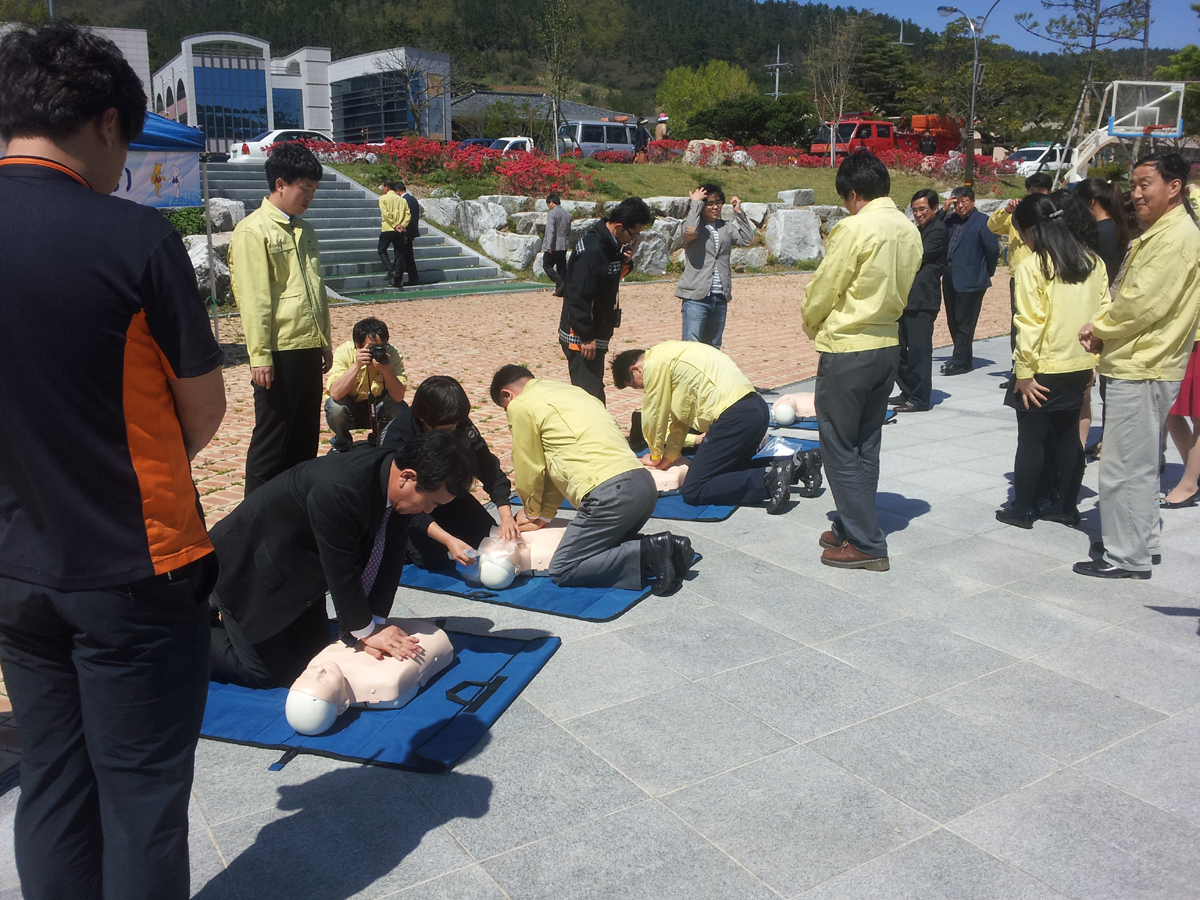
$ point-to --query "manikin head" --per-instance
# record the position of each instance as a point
(507, 384)
(429, 471)
(317, 698)
(862, 178)
(293, 175)
(627, 369)
(68, 95)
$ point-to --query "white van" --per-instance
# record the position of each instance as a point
(593, 136)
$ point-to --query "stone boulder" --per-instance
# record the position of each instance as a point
(678, 256)
(652, 253)
(516, 250)
(574, 207)
(225, 214)
(987, 207)
(440, 211)
(742, 158)
(753, 257)
(756, 212)
(220, 244)
(795, 234)
(528, 222)
(580, 227)
(830, 215)
(609, 205)
(512, 203)
(797, 197)
(695, 150)
(474, 217)
(670, 228)
(198, 254)
(676, 207)
(445, 194)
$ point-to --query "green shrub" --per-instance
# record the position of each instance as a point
(186, 221)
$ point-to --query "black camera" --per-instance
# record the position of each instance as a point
(379, 353)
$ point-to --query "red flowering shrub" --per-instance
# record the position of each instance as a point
(341, 153)
(664, 150)
(612, 156)
(533, 174)
(415, 156)
(472, 161)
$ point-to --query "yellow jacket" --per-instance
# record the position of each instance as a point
(688, 385)
(369, 383)
(1000, 222)
(1149, 328)
(859, 292)
(275, 268)
(393, 212)
(565, 444)
(1049, 316)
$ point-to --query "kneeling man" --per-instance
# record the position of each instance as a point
(338, 523)
(690, 385)
(566, 444)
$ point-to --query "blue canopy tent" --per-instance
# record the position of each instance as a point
(163, 134)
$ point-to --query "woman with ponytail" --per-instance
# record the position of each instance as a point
(1058, 289)
(1107, 206)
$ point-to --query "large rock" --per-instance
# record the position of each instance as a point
(474, 217)
(671, 229)
(528, 222)
(198, 254)
(987, 207)
(225, 214)
(742, 158)
(609, 205)
(440, 211)
(512, 203)
(795, 234)
(580, 227)
(516, 250)
(676, 207)
(797, 197)
(830, 215)
(753, 257)
(695, 153)
(220, 244)
(755, 212)
(652, 253)
(445, 194)
(574, 207)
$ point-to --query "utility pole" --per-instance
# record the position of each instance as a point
(777, 66)
(902, 42)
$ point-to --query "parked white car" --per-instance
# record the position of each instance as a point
(513, 145)
(1044, 158)
(257, 149)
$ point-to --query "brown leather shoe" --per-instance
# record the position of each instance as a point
(828, 539)
(847, 556)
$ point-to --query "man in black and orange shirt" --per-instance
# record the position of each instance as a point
(105, 563)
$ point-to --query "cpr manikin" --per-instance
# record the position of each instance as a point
(501, 561)
(790, 407)
(340, 677)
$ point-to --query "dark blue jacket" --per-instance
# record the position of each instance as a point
(973, 253)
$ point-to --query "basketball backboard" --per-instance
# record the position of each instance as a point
(1146, 109)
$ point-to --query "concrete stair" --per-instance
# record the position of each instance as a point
(346, 218)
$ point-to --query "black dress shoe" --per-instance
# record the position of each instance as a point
(1182, 504)
(899, 398)
(954, 370)
(656, 562)
(1097, 549)
(778, 482)
(1070, 519)
(682, 555)
(1098, 568)
(1020, 520)
(806, 472)
(910, 407)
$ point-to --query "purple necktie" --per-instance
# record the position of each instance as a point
(372, 569)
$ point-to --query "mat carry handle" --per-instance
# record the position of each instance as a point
(487, 688)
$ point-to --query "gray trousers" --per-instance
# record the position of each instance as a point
(1130, 522)
(601, 547)
(851, 397)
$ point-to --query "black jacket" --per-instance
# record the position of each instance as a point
(404, 428)
(593, 280)
(973, 254)
(309, 530)
(926, 293)
(413, 229)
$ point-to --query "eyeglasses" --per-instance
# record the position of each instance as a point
(715, 204)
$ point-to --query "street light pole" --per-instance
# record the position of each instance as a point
(945, 11)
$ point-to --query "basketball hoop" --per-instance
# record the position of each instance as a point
(1150, 130)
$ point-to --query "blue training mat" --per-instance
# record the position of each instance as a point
(445, 720)
(538, 593)
(809, 423)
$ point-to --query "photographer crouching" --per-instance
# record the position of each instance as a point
(366, 384)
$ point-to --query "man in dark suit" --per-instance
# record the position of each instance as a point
(336, 523)
(971, 263)
(412, 231)
(915, 376)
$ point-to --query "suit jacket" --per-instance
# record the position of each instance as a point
(973, 254)
(413, 229)
(926, 292)
(309, 530)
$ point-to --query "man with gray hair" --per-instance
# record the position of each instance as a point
(970, 264)
(554, 244)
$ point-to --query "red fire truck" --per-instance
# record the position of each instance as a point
(864, 130)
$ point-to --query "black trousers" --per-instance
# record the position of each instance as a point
(108, 687)
(723, 470)
(394, 240)
(851, 396)
(410, 257)
(464, 517)
(554, 262)
(915, 375)
(1050, 463)
(287, 418)
(962, 314)
(275, 662)
(586, 373)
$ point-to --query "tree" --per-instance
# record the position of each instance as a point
(558, 33)
(882, 70)
(1185, 66)
(25, 12)
(684, 92)
(755, 119)
(832, 58)
(407, 78)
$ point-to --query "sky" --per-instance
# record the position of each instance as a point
(1173, 23)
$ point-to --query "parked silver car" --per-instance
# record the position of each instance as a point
(592, 137)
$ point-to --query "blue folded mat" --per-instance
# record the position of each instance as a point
(445, 720)
(538, 593)
(809, 423)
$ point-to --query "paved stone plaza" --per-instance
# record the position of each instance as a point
(976, 723)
